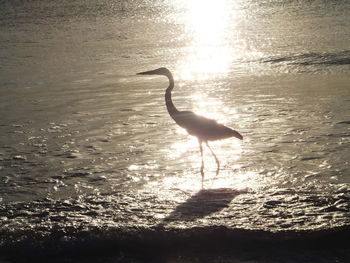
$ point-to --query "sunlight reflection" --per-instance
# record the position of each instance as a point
(228, 151)
(211, 32)
(207, 25)
(181, 147)
(242, 181)
(201, 104)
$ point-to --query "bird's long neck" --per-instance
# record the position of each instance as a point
(168, 101)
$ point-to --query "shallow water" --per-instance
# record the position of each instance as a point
(87, 144)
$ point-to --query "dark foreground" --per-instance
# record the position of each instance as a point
(222, 225)
(211, 244)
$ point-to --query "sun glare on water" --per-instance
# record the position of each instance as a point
(207, 24)
(209, 54)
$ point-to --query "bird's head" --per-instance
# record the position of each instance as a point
(158, 71)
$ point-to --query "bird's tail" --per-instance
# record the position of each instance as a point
(236, 134)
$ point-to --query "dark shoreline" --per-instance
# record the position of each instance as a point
(157, 244)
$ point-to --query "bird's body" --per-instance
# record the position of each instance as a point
(203, 128)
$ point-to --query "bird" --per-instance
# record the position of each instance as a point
(203, 128)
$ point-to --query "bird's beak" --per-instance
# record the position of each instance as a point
(151, 72)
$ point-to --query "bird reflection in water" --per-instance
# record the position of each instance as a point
(203, 128)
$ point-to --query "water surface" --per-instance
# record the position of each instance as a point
(85, 143)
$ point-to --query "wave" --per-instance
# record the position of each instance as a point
(312, 58)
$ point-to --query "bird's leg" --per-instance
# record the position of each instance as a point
(202, 165)
(216, 159)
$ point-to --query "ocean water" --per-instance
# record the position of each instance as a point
(93, 168)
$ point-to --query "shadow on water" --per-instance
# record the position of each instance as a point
(203, 203)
